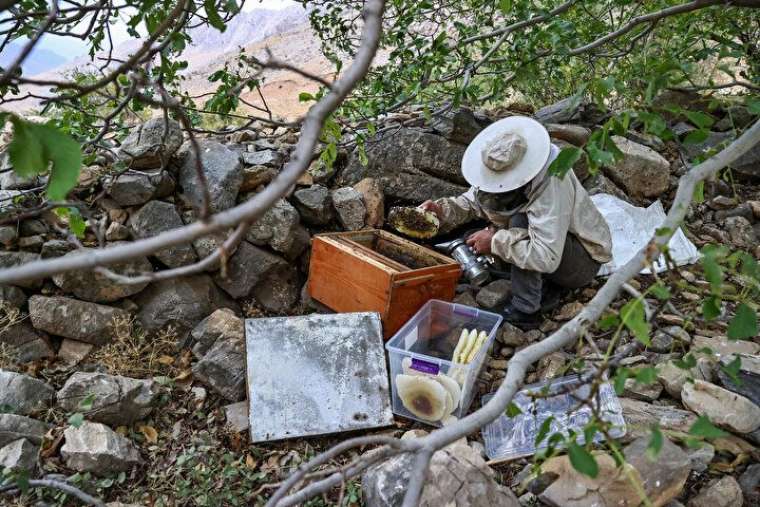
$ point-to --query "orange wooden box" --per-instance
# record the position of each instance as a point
(375, 271)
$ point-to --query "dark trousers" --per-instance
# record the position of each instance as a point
(576, 269)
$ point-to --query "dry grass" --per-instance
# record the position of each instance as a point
(133, 354)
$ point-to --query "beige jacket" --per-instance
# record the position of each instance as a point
(555, 207)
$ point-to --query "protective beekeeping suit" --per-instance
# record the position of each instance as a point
(546, 227)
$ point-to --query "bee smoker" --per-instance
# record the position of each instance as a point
(475, 266)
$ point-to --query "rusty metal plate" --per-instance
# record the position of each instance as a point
(316, 374)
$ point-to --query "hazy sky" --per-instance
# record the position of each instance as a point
(70, 48)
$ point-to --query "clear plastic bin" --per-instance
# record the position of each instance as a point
(420, 356)
(509, 438)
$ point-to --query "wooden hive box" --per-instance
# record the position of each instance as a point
(373, 270)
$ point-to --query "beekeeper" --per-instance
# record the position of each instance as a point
(546, 227)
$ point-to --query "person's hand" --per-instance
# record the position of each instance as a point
(481, 241)
(432, 207)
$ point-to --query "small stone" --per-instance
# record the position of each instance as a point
(70, 318)
(269, 158)
(350, 207)
(27, 344)
(117, 400)
(721, 406)
(748, 376)
(315, 205)
(73, 352)
(459, 126)
(31, 243)
(640, 416)
(512, 335)
(750, 484)
(153, 219)
(494, 294)
(55, 248)
(223, 324)
(552, 366)
(569, 310)
(180, 303)
(664, 477)
(642, 392)
(8, 235)
(236, 416)
(573, 134)
(254, 177)
(374, 201)
(19, 455)
(673, 378)
(132, 189)
(222, 169)
(12, 296)
(721, 202)
(96, 448)
(13, 427)
(223, 369)
(466, 299)
(117, 232)
(642, 172)
(661, 342)
(739, 230)
(11, 259)
(248, 267)
(701, 457)
(498, 364)
(151, 144)
(722, 493)
(24, 395)
(279, 228)
(92, 286)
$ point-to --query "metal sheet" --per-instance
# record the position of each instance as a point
(316, 374)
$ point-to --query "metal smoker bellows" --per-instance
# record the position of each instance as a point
(475, 266)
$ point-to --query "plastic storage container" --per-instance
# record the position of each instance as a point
(508, 438)
(423, 376)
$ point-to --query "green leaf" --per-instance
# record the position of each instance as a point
(213, 15)
(646, 375)
(744, 323)
(753, 105)
(609, 321)
(546, 425)
(713, 271)
(700, 119)
(705, 429)
(565, 161)
(686, 363)
(513, 410)
(77, 224)
(732, 370)
(505, 6)
(582, 460)
(699, 192)
(634, 318)
(620, 377)
(696, 136)
(655, 443)
(711, 307)
(305, 97)
(36, 148)
(660, 291)
(76, 420)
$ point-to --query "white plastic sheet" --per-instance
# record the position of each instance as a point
(632, 227)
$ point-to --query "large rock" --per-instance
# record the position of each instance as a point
(350, 207)
(271, 158)
(721, 406)
(280, 228)
(459, 126)
(601, 184)
(12, 296)
(153, 219)
(724, 492)
(315, 205)
(180, 303)
(24, 395)
(271, 280)
(611, 487)
(642, 172)
(570, 109)
(19, 455)
(71, 318)
(11, 259)
(673, 378)
(457, 477)
(411, 165)
(663, 477)
(151, 144)
(133, 189)
(221, 325)
(223, 171)
(750, 484)
(576, 135)
(723, 346)
(96, 448)
(223, 368)
(494, 294)
(27, 344)
(640, 416)
(13, 427)
(116, 400)
(97, 288)
(740, 232)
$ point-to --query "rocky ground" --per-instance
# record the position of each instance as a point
(137, 392)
